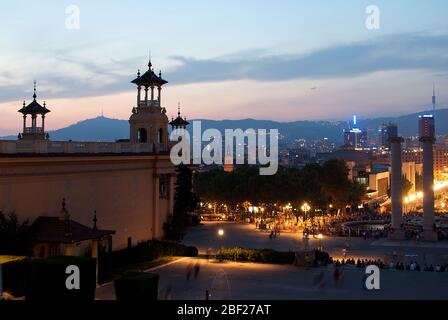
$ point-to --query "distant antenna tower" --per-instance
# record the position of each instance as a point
(434, 100)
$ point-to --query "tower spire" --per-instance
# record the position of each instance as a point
(149, 61)
(34, 95)
(178, 108)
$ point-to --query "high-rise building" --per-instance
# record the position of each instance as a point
(386, 132)
(355, 137)
(426, 127)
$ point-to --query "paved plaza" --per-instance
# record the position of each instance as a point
(246, 236)
(232, 280)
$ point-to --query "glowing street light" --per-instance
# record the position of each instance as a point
(220, 232)
(305, 208)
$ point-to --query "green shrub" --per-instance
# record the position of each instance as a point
(256, 255)
(267, 256)
(45, 279)
(137, 286)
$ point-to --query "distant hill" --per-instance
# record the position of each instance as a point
(97, 129)
(105, 129)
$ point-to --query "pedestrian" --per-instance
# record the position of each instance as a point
(167, 294)
(196, 270)
(189, 269)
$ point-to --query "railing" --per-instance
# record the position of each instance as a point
(45, 146)
(34, 130)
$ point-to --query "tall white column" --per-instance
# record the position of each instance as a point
(396, 189)
(428, 189)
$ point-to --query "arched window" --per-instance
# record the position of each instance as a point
(142, 135)
(160, 136)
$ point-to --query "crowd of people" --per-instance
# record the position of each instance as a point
(411, 266)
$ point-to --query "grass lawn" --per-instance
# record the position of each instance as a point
(6, 259)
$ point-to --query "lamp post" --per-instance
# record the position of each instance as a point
(220, 235)
(305, 208)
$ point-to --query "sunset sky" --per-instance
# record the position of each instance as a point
(283, 60)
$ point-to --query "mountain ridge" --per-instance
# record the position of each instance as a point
(109, 129)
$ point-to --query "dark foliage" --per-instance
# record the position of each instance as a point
(185, 201)
(137, 286)
(15, 238)
(46, 279)
(319, 184)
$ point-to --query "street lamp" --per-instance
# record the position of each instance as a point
(305, 208)
(220, 232)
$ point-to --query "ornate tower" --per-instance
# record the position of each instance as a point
(179, 122)
(33, 131)
(148, 122)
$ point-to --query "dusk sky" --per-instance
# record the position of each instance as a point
(283, 60)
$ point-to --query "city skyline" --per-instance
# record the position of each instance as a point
(235, 68)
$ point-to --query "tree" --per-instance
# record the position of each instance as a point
(185, 201)
(406, 185)
(335, 183)
(15, 238)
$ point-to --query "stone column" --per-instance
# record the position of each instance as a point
(139, 89)
(159, 88)
(428, 189)
(152, 94)
(24, 122)
(396, 189)
(146, 96)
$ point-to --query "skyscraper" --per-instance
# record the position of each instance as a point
(386, 132)
(355, 137)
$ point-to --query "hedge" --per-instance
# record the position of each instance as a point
(45, 279)
(137, 286)
(256, 255)
(267, 256)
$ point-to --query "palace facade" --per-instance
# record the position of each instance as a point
(125, 186)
